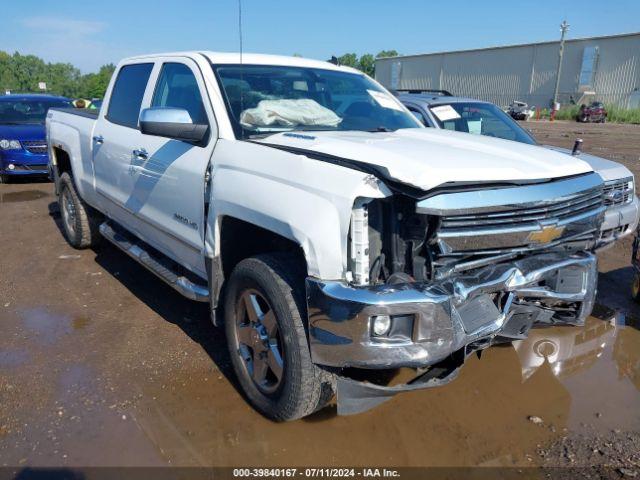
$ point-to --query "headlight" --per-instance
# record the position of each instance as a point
(618, 192)
(10, 144)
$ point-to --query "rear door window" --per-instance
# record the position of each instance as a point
(128, 91)
(177, 87)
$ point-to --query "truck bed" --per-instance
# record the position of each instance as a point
(83, 112)
(70, 130)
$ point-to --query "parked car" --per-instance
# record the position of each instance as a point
(342, 237)
(485, 118)
(520, 111)
(23, 148)
(594, 112)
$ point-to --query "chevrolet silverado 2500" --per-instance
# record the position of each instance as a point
(335, 238)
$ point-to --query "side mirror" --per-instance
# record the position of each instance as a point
(173, 123)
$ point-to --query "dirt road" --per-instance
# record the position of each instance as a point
(101, 364)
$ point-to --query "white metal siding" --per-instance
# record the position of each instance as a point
(524, 72)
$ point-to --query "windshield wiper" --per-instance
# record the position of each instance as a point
(380, 129)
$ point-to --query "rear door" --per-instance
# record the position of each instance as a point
(165, 187)
(115, 133)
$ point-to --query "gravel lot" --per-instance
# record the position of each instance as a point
(102, 365)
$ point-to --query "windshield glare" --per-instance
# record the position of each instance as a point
(268, 99)
(481, 119)
(27, 111)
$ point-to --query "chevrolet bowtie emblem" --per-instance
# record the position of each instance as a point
(548, 234)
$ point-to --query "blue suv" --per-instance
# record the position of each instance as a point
(23, 145)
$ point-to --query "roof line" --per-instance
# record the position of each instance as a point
(515, 45)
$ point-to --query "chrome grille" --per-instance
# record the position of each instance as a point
(31, 167)
(558, 211)
(34, 146)
(618, 192)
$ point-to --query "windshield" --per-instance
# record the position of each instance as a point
(481, 119)
(268, 99)
(27, 111)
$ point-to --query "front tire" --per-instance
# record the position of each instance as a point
(264, 308)
(80, 222)
(4, 179)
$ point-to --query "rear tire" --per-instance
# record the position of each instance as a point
(80, 221)
(4, 179)
(264, 308)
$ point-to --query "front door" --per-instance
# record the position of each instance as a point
(167, 194)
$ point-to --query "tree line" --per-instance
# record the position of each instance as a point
(22, 74)
(365, 63)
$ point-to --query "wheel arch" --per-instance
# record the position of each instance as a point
(239, 239)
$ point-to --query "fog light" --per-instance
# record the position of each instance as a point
(381, 324)
(11, 166)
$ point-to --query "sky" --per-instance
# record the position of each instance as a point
(91, 33)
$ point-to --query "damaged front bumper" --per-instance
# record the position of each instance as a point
(434, 326)
(619, 222)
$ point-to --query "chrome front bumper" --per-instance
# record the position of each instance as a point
(465, 312)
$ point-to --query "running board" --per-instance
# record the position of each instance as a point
(191, 290)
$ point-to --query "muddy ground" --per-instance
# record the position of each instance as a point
(101, 365)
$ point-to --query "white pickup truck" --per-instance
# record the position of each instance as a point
(335, 238)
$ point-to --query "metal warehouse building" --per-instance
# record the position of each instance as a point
(597, 68)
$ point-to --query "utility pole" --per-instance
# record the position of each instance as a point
(564, 26)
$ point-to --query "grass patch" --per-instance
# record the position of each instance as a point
(614, 114)
(623, 115)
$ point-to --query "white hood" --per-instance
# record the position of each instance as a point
(426, 157)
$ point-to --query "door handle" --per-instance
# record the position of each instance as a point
(141, 153)
(99, 139)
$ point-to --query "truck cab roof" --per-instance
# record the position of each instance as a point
(234, 58)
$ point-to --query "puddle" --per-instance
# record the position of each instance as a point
(22, 196)
(49, 326)
(567, 376)
(13, 357)
(190, 414)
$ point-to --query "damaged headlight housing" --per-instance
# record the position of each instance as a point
(619, 191)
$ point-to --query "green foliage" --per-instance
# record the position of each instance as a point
(93, 85)
(367, 62)
(387, 53)
(567, 113)
(623, 115)
(349, 60)
(22, 73)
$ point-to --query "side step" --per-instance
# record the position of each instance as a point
(161, 267)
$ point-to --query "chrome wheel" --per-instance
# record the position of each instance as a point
(258, 341)
(68, 212)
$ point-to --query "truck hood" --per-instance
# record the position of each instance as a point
(426, 158)
(27, 131)
(607, 169)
